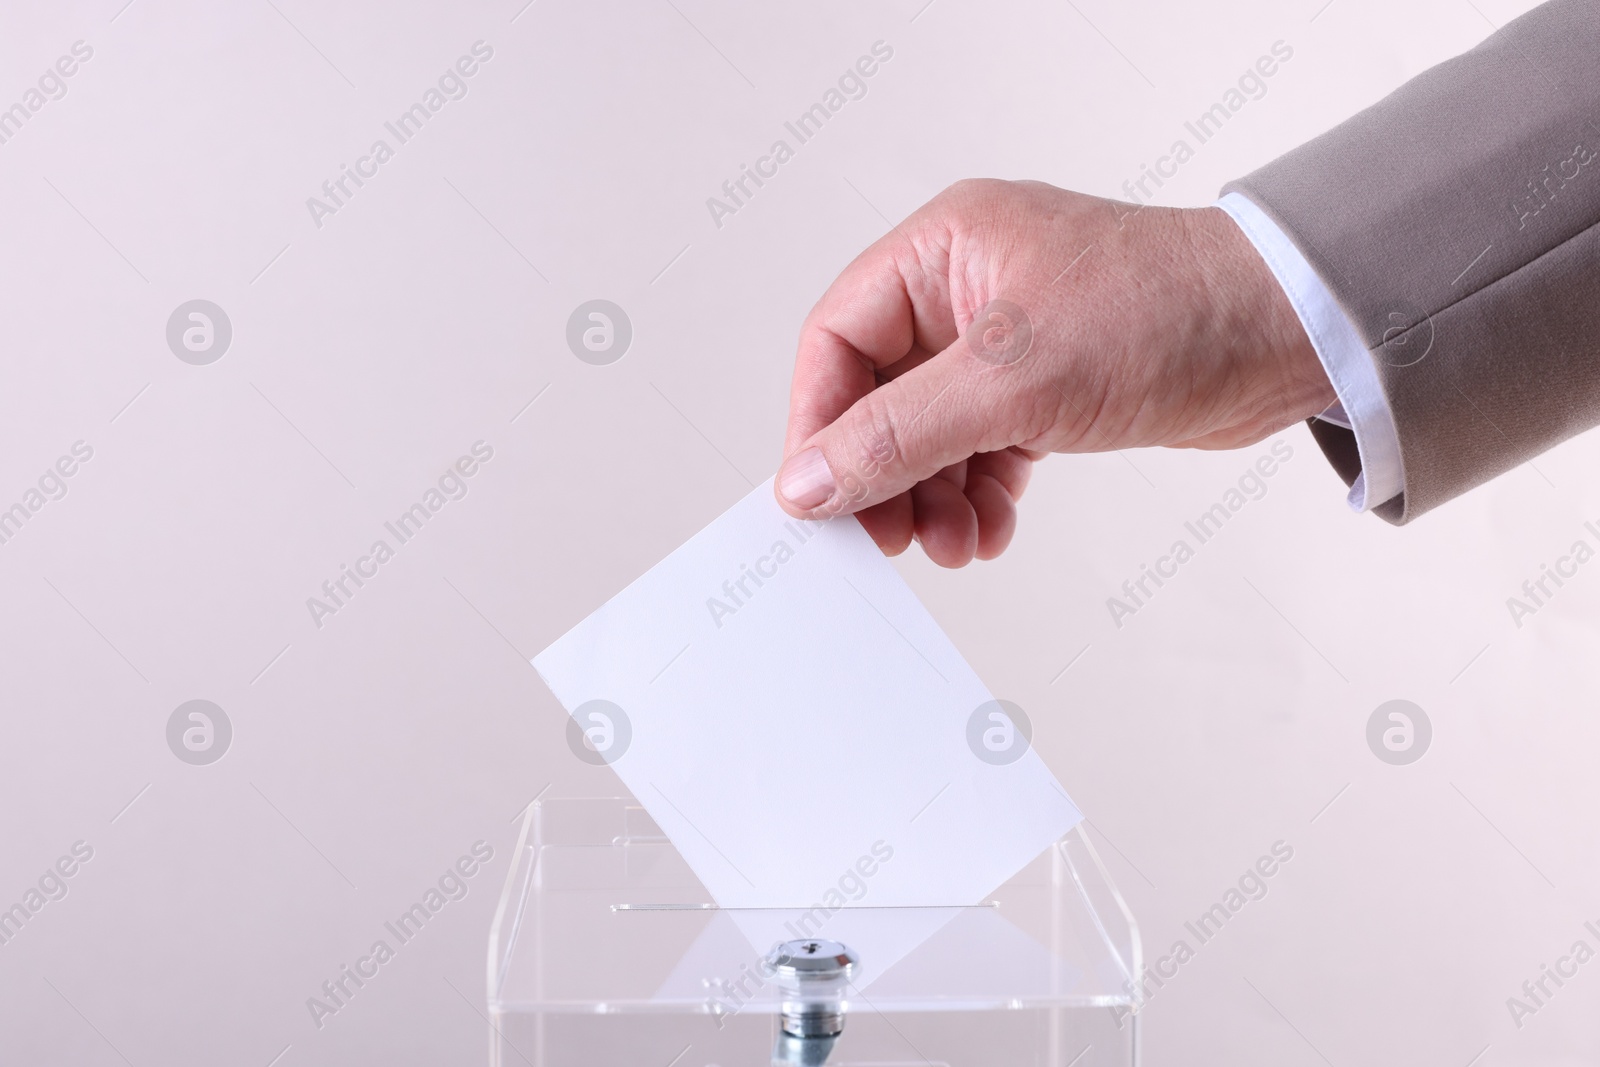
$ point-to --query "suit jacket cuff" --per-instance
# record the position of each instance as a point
(1458, 222)
(1376, 475)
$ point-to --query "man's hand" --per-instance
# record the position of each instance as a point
(1006, 320)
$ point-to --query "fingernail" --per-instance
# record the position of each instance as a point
(805, 480)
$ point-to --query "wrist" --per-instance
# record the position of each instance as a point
(1256, 321)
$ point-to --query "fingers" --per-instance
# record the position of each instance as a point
(900, 434)
(977, 522)
(890, 524)
(995, 482)
(1011, 467)
(994, 515)
(946, 522)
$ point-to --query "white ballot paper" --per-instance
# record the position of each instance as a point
(801, 729)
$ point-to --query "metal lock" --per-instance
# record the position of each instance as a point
(812, 975)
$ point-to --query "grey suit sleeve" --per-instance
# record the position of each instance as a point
(1456, 223)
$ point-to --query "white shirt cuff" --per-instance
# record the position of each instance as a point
(1362, 407)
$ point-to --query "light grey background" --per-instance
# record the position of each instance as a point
(424, 316)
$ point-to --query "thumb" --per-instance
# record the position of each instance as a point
(895, 436)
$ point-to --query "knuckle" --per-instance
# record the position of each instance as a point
(970, 192)
(969, 186)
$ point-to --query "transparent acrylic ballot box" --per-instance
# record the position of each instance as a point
(606, 950)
